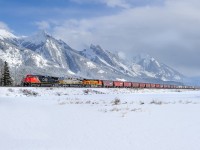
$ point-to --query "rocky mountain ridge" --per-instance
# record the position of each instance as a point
(43, 54)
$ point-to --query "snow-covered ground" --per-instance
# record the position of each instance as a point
(99, 119)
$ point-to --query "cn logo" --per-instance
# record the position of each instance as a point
(44, 79)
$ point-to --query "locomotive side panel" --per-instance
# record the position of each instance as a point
(92, 83)
(70, 82)
(48, 80)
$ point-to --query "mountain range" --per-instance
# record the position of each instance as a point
(43, 54)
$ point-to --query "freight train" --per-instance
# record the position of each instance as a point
(40, 81)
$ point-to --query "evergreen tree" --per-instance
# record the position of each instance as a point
(1, 80)
(1, 70)
(6, 79)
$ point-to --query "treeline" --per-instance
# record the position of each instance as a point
(5, 78)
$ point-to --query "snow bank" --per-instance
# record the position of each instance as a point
(98, 119)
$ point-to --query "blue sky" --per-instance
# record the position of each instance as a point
(22, 16)
(166, 29)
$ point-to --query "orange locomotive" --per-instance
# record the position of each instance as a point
(92, 83)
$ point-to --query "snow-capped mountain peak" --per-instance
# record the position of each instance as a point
(143, 56)
(4, 34)
(97, 47)
(146, 61)
(38, 38)
(150, 66)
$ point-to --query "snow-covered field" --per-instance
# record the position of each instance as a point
(99, 119)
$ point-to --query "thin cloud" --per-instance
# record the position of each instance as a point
(117, 3)
(43, 25)
(109, 3)
(122, 3)
(4, 26)
(170, 32)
